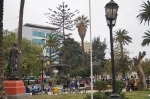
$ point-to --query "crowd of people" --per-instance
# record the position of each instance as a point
(76, 82)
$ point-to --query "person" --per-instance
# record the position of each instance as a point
(78, 84)
(68, 82)
(132, 82)
(50, 86)
(35, 89)
(27, 88)
(13, 58)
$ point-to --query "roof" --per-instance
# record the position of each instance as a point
(40, 26)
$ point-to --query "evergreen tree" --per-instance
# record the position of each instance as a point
(98, 52)
(62, 18)
(73, 52)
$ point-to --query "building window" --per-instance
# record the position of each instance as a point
(38, 34)
(38, 41)
(47, 34)
(47, 50)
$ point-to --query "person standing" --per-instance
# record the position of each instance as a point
(132, 82)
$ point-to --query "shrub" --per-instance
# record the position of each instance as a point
(101, 85)
(53, 80)
(120, 85)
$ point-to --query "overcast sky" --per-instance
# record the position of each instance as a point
(128, 10)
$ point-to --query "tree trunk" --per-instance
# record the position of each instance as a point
(122, 62)
(20, 38)
(50, 68)
(140, 73)
(83, 60)
(2, 90)
(123, 74)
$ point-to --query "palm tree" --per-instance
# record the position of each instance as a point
(52, 41)
(146, 39)
(82, 23)
(123, 39)
(145, 12)
(20, 38)
(145, 16)
(2, 90)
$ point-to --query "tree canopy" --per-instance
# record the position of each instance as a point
(30, 51)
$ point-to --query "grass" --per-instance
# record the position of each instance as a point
(60, 96)
(138, 94)
(129, 95)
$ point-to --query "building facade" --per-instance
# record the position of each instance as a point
(86, 46)
(37, 33)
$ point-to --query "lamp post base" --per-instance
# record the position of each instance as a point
(115, 96)
(42, 87)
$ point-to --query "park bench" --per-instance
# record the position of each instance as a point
(65, 88)
(82, 88)
(136, 87)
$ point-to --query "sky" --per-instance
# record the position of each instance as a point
(34, 13)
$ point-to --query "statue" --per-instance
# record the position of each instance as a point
(13, 58)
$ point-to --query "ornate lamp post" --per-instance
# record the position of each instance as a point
(42, 58)
(111, 9)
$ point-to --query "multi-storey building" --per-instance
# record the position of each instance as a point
(86, 46)
(36, 34)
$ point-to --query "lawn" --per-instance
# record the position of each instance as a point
(138, 94)
(129, 95)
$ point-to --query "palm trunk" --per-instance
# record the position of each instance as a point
(20, 38)
(122, 63)
(121, 47)
(50, 68)
(2, 90)
(83, 61)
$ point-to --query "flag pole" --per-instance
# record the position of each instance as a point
(91, 51)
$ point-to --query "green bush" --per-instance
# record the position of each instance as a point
(53, 80)
(120, 85)
(101, 85)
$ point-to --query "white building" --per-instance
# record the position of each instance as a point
(86, 46)
(36, 34)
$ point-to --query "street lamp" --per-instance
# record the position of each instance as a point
(42, 58)
(111, 9)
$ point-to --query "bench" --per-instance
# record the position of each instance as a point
(136, 87)
(82, 87)
(65, 88)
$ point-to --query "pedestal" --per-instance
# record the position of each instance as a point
(115, 96)
(15, 89)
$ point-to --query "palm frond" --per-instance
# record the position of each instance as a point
(122, 37)
(144, 13)
(146, 39)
